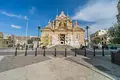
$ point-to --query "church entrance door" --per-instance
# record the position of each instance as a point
(62, 39)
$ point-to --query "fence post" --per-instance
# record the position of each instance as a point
(94, 51)
(55, 52)
(44, 52)
(85, 52)
(103, 51)
(26, 51)
(36, 52)
(65, 52)
(75, 51)
(16, 51)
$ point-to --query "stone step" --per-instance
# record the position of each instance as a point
(62, 47)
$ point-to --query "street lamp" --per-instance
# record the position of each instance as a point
(26, 19)
(38, 35)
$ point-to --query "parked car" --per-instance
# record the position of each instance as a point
(111, 46)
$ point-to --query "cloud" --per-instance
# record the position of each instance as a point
(13, 15)
(15, 26)
(101, 12)
(32, 10)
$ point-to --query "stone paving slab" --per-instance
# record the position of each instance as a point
(52, 69)
(56, 68)
(13, 62)
(111, 70)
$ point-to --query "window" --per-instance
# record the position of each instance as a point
(102, 38)
(77, 36)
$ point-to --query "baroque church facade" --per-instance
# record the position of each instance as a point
(62, 32)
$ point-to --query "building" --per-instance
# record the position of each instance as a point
(6, 40)
(100, 37)
(13, 40)
(62, 32)
(35, 41)
(29, 40)
(21, 40)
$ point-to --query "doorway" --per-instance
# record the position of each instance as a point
(62, 39)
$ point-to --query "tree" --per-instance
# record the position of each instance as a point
(117, 35)
(29, 41)
(38, 30)
(114, 34)
(87, 27)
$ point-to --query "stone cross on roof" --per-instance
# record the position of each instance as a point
(62, 14)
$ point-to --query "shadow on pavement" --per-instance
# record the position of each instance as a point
(12, 62)
(99, 62)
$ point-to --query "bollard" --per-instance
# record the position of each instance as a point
(26, 51)
(103, 51)
(32, 47)
(65, 52)
(22, 47)
(55, 52)
(85, 52)
(16, 51)
(112, 57)
(75, 51)
(94, 51)
(36, 52)
(44, 52)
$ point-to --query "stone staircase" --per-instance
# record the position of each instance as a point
(62, 47)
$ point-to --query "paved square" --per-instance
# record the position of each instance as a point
(49, 68)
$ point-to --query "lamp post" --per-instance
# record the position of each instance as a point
(26, 28)
(38, 35)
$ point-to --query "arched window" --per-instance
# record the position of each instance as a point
(78, 36)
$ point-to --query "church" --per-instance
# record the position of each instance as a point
(62, 31)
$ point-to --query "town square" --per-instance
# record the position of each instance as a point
(60, 40)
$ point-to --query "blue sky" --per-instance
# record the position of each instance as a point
(98, 14)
